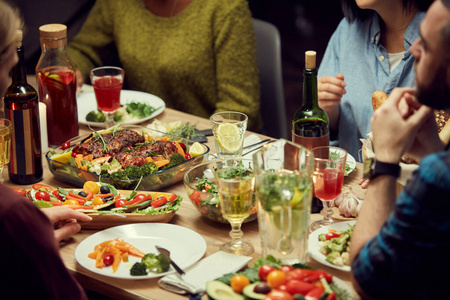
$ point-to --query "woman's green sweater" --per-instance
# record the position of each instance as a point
(201, 61)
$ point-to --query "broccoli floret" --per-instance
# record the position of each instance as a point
(175, 159)
(120, 115)
(95, 116)
(139, 269)
(335, 258)
(122, 175)
(133, 172)
(336, 247)
(156, 263)
(322, 237)
(148, 168)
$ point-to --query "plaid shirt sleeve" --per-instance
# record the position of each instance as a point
(398, 262)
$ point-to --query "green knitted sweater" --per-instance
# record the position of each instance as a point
(200, 61)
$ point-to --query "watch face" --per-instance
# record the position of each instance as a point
(368, 167)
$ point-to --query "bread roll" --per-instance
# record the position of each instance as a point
(378, 98)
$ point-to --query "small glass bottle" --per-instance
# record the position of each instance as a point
(57, 84)
(22, 109)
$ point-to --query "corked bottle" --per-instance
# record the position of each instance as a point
(57, 84)
(22, 109)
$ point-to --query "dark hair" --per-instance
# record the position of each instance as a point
(352, 12)
(445, 33)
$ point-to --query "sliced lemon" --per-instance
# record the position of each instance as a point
(62, 158)
(229, 137)
(196, 149)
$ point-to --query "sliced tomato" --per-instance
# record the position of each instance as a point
(120, 203)
(195, 197)
(160, 201)
(19, 191)
(38, 186)
(299, 287)
(172, 197)
(57, 195)
(41, 195)
(332, 235)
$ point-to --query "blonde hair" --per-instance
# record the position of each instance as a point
(10, 22)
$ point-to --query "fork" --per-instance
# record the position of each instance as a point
(166, 253)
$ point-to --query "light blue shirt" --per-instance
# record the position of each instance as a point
(354, 50)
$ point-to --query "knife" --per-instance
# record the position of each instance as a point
(166, 253)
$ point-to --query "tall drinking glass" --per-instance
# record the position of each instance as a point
(235, 183)
(5, 144)
(283, 189)
(107, 83)
(329, 170)
(229, 129)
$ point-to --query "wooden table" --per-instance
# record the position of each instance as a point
(187, 216)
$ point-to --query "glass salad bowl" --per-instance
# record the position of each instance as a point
(204, 196)
(76, 170)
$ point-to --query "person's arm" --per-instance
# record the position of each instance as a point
(65, 221)
(236, 64)
(394, 132)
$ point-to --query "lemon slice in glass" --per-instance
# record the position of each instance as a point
(196, 149)
(62, 158)
(229, 137)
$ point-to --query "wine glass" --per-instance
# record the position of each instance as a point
(328, 178)
(5, 144)
(235, 186)
(107, 82)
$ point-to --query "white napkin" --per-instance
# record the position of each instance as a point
(250, 140)
(209, 268)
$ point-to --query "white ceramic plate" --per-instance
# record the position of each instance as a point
(186, 247)
(313, 239)
(86, 103)
(351, 163)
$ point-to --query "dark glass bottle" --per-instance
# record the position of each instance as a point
(22, 109)
(310, 122)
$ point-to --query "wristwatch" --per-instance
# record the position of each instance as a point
(373, 168)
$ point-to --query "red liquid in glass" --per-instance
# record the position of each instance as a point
(328, 184)
(57, 89)
(107, 93)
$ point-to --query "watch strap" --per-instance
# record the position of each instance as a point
(383, 168)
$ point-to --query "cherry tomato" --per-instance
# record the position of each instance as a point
(286, 268)
(264, 270)
(195, 197)
(98, 201)
(299, 287)
(332, 235)
(65, 146)
(120, 203)
(275, 279)
(21, 192)
(160, 201)
(41, 195)
(239, 282)
(74, 154)
(108, 260)
(187, 156)
(278, 295)
(129, 147)
(57, 195)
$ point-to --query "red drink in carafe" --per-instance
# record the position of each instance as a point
(57, 87)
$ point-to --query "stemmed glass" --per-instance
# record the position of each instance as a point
(328, 178)
(235, 186)
(5, 144)
(107, 82)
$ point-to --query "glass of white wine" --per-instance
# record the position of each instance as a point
(235, 185)
(5, 144)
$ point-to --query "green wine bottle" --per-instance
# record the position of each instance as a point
(310, 122)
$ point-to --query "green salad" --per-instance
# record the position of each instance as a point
(335, 245)
(128, 112)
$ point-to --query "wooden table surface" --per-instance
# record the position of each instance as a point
(187, 216)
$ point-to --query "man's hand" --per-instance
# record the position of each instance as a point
(396, 123)
(330, 90)
(64, 220)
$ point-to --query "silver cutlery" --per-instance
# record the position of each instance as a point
(166, 253)
(261, 142)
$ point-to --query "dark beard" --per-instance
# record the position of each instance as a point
(436, 95)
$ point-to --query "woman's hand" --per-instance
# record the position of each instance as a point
(80, 80)
(65, 221)
(331, 89)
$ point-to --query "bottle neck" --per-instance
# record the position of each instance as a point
(19, 75)
(310, 96)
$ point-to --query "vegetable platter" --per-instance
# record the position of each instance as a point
(125, 155)
(269, 279)
(106, 205)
